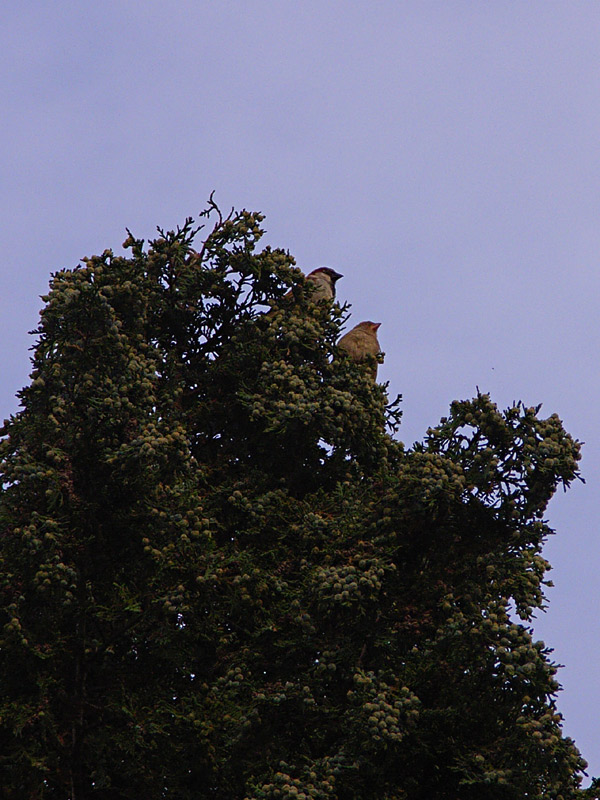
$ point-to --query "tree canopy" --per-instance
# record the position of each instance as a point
(222, 576)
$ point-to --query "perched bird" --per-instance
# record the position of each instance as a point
(360, 343)
(321, 285)
(323, 280)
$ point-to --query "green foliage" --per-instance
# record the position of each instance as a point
(221, 575)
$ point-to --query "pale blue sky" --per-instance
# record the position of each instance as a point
(444, 156)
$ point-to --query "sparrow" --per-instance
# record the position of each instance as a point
(321, 286)
(360, 343)
(323, 280)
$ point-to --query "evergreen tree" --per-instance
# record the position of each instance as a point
(223, 577)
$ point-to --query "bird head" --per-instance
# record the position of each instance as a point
(330, 273)
(370, 326)
(325, 272)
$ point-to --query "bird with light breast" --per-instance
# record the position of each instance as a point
(320, 285)
(361, 344)
(323, 280)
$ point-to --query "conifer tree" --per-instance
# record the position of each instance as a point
(222, 576)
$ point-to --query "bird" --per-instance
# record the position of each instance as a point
(321, 286)
(323, 280)
(361, 344)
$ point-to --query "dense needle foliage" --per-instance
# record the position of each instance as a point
(222, 577)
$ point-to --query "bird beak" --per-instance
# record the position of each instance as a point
(376, 325)
(336, 275)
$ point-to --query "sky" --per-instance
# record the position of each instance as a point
(443, 155)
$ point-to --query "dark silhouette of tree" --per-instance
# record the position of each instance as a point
(223, 577)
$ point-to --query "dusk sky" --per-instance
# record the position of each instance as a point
(444, 156)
